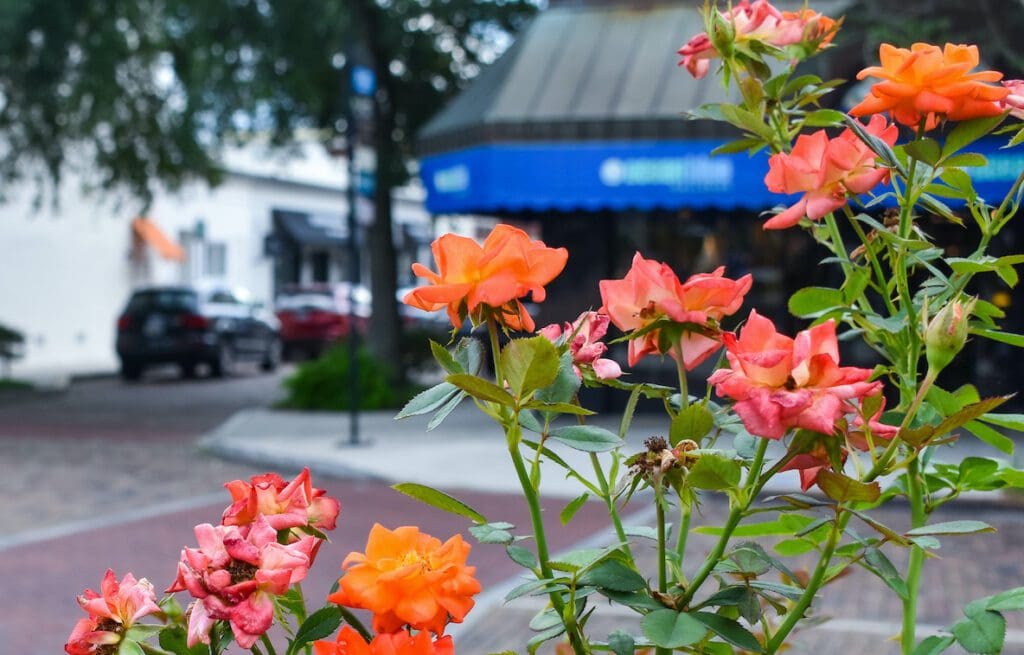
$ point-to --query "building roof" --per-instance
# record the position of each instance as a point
(584, 70)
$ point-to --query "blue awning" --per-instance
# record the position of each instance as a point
(623, 175)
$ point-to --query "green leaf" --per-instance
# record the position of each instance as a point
(967, 132)
(493, 533)
(613, 574)
(794, 547)
(529, 588)
(1009, 421)
(129, 647)
(1000, 336)
(694, 423)
(1012, 599)
(174, 639)
(529, 364)
(538, 639)
(588, 438)
(842, 489)
(926, 150)
(983, 632)
(469, 353)
(812, 301)
(574, 506)
(715, 473)
(951, 527)
(990, 436)
(445, 358)
(876, 562)
(439, 499)
(965, 159)
(481, 389)
(522, 557)
(979, 473)
(580, 559)
(445, 410)
(319, 625)
(730, 630)
(824, 118)
(558, 408)
(429, 400)
(621, 643)
(566, 383)
(671, 629)
(933, 645)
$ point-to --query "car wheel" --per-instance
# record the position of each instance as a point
(272, 358)
(224, 364)
(188, 370)
(131, 372)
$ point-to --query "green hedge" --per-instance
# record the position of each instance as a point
(323, 383)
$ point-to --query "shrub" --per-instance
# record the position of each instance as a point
(323, 383)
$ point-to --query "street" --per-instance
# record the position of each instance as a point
(106, 474)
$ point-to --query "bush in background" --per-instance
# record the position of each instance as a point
(323, 383)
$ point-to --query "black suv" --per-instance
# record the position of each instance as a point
(188, 326)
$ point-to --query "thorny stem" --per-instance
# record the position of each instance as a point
(908, 637)
(659, 504)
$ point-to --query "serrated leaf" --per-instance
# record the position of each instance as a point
(439, 499)
(982, 633)
(694, 423)
(926, 150)
(968, 413)
(991, 436)
(528, 588)
(615, 575)
(730, 630)
(481, 389)
(824, 118)
(967, 132)
(529, 364)
(445, 410)
(621, 643)
(1011, 599)
(1000, 336)
(319, 625)
(445, 358)
(574, 506)
(429, 400)
(876, 562)
(522, 556)
(951, 527)
(934, 645)
(843, 489)
(492, 533)
(714, 472)
(565, 385)
(588, 438)
(671, 629)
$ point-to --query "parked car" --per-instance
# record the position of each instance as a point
(312, 317)
(191, 326)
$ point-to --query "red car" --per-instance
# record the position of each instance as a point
(314, 317)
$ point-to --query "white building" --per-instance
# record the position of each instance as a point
(67, 270)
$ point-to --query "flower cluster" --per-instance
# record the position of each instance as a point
(584, 336)
(112, 612)
(759, 21)
(668, 316)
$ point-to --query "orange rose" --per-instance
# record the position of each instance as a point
(349, 642)
(497, 274)
(409, 578)
(928, 83)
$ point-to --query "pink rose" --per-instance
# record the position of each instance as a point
(825, 171)
(780, 383)
(586, 347)
(111, 612)
(1015, 101)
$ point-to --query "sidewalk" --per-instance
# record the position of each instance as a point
(466, 452)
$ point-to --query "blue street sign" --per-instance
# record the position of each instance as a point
(364, 82)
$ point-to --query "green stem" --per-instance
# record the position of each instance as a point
(794, 615)
(685, 511)
(908, 637)
(265, 640)
(752, 486)
(355, 623)
(659, 504)
(613, 511)
(684, 389)
(883, 282)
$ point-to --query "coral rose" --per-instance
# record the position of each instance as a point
(293, 504)
(780, 383)
(234, 574)
(652, 292)
(349, 642)
(409, 578)
(111, 613)
(826, 170)
(471, 276)
(758, 21)
(930, 83)
(586, 346)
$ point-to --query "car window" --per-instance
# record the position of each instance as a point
(223, 297)
(171, 300)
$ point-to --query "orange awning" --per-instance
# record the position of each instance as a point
(151, 234)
